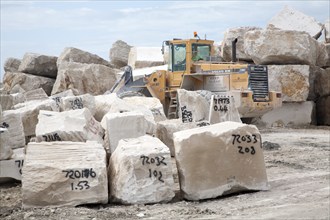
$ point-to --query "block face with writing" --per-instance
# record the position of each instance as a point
(12, 168)
(5, 149)
(140, 172)
(222, 109)
(219, 159)
(13, 123)
(123, 125)
(61, 174)
(78, 102)
(75, 125)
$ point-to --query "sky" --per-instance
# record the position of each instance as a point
(47, 27)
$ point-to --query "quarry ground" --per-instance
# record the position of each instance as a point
(298, 174)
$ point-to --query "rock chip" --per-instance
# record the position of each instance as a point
(123, 125)
(291, 19)
(226, 45)
(27, 82)
(12, 168)
(12, 64)
(219, 159)
(82, 78)
(281, 47)
(40, 65)
(57, 174)
(71, 54)
(119, 53)
(142, 57)
(140, 172)
(74, 125)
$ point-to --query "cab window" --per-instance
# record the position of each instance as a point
(178, 54)
(200, 51)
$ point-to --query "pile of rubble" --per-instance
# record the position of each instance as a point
(71, 143)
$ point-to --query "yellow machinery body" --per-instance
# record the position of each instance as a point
(247, 83)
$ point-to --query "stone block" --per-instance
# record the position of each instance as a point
(123, 125)
(226, 45)
(36, 94)
(321, 82)
(26, 82)
(78, 102)
(323, 110)
(323, 59)
(58, 97)
(8, 101)
(327, 31)
(74, 125)
(140, 172)
(40, 65)
(5, 150)
(103, 104)
(12, 121)
(291, 19)
(119, 53)
(12, 64)
(291, 114)
(166, 129)
(273, 46)
(223, 108)
(219, 159)
(11, 169)
(82, 78)
(57, 174)
(142, 57)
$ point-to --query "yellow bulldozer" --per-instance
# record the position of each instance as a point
(192, 65)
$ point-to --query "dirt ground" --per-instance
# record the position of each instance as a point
(298, 172)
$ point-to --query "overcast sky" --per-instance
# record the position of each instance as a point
(47, 27)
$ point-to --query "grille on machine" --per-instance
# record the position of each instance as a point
(258, 83)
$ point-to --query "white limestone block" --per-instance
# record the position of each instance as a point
(12, 168)
(291, 114)
(74, 125)
(57, 174)
(192, 106)
(222, 108)
(166, 129)
(219, 159)
(8, 101)
(151, 103)
(5, 150)
(30, 111)
(12, 120)
(78, 102)
(103, 104)
(37, 64)
(36, 94)
(58, 97)
(291, 19)
(142, 57)
(119, 53)
(123, 125)
(140, 172)
(273, 46)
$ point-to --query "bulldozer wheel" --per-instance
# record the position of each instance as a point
(130, 94)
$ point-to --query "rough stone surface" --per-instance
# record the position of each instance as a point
(291, 19)
(5, 150)
(103, 104)
(82, 78)
(74, 125)
(37, 94)
(71, 54)
(166, 129)
(192, 106)
(292, 80)
(38, 64)
(78, 102)
(123, 125)
(12, 168)
(30, 111)
(8, 101)
(322, 82)
(119, 53)
(58, 97)
(27, 82)
(226, 45)
(219, 159)
(151, 103)
(142, 57)
(323, 110)
(281, 47)
(323, 59)
(140, 172)
(12, 121)
(292, 114)
(222, 108)
(327, 31)
(52, 174)
(12, 64)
